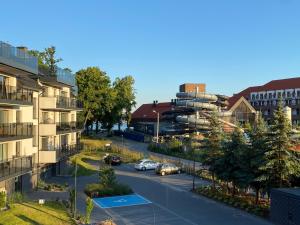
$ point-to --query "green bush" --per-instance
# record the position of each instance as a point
(3, 199)
(99, 190)
(107, 176)
(89, 209)
(16, 197)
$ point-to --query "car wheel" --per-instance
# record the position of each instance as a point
(144, 168)
(163, 173)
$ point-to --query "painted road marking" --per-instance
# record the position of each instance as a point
(120, 201)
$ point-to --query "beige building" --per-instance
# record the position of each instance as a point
(38, 128)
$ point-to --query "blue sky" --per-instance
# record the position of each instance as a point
(229, 45)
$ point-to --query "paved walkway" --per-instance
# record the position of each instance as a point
(143, 148)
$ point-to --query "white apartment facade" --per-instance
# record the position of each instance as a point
(38, 127)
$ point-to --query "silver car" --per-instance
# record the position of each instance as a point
(146, 164)
(167, 168)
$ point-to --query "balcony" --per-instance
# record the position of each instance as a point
(15, 167)
(67, 103)
(15, 131)
(11, 95)
(47, 127)
(17, 58)
(68, 126)
(55, 154)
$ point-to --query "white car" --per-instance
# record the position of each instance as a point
(146, 164)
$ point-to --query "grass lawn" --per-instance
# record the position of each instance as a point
(52, 213)
(94, 149)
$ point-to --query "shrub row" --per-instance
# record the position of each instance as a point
(98, 190)
(241, 202)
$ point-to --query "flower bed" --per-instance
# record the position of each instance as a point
(246, 203)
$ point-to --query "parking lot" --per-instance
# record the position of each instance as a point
(171, 202)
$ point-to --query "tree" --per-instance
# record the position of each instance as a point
(125, 98)
(95, 92)
(50, 60)
(255, 159)
(88, 210)
(281, 162)
(213, 145)
(228, 167)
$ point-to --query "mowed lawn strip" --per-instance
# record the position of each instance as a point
(52, 213)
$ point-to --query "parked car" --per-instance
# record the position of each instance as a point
(146, 164)
(113, 160)
(167, 168)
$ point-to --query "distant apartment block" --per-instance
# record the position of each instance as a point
(265, 98)
(38, 126)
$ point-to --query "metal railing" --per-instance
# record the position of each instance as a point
(64, 150)
(16, 94)
(62, 126)
(65, 102)
(15, 166)
(16, 129)
(17, 58)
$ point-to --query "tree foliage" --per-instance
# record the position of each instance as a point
(104, 102)
(281, 162)
(212, 150)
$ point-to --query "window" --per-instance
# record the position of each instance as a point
(298, 93)
(270, 95)
(18, 116)
(288, 94)
(3, 152)
(266, 95)
(261, 96)
(278, 94)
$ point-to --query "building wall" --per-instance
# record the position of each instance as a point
(192, 87)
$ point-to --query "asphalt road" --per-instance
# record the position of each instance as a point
(172, 203)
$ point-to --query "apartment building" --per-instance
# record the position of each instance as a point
(38, 128)
(265, 98)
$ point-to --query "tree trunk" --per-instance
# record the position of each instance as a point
(213, 181)
(233, 189)
(97, 126)
(256, 195)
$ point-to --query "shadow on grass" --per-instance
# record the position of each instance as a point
(28, 220)
(50, 207)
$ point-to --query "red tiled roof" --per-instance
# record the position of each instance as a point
(288, 83)
(145, 111)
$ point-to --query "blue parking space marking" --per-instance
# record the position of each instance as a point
(120, 201)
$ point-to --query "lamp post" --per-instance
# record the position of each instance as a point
(157, 127)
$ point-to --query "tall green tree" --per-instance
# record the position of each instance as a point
(95, 92)
(50, 60)
(125, 98)
(281, 162)
(212, 149)
(255, 156)
(229, 166)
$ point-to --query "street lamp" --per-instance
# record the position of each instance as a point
(157, 127)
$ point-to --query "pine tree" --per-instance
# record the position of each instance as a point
(213, 145)
(229, 166)
(281, 163)
(259, 145)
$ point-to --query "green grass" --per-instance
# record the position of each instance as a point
(52, 213)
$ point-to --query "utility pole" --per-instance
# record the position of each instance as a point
(75, 194)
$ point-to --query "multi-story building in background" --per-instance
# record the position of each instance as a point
(265, 98)
(38, 127)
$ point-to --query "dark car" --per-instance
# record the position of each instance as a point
(113, 160)
(167, 168)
